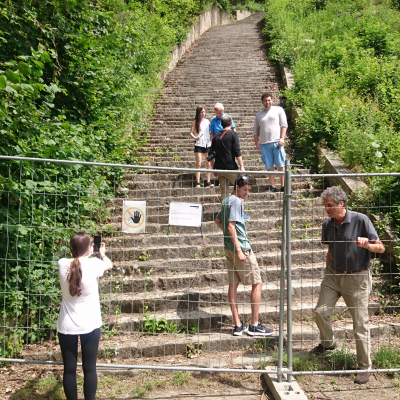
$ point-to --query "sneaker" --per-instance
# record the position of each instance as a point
(198, 185)
(321, 349)
(238, 330)
(209, 184)
(246, 217)
(259, 330)
(282, 188)
(271, 189)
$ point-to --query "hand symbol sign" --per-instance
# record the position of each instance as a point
(137, 216)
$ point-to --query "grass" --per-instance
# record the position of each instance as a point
(387, 358)
(181, 378)
(49, 387)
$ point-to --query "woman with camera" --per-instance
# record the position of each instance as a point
(80, 313)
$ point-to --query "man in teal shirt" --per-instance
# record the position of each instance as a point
(240, 260)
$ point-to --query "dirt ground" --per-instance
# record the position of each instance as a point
(341, 387)
(33, 382)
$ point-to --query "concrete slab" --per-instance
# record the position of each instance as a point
(283, 390)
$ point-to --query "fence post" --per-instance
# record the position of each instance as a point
(288, 206)
(282, 294)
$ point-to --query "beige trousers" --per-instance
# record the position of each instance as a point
(224, 180)
(355, 290)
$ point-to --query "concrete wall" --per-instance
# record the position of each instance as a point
(204, 22)
(242, 14)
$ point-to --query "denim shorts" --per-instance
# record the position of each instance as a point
(272, 153)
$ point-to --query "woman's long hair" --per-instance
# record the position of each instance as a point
(79, 244)
(199, 109)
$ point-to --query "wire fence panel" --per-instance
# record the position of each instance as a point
(164, 304)
(362, 327)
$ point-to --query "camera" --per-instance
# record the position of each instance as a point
(96, 246)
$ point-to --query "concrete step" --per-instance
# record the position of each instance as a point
(125, 263)
(170, 252)
(255, 224)
(210, 195)
(159, 280)
(220, 317)
(166, 349)
(197, 299)
(309, 237)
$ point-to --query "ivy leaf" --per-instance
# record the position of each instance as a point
(3, 82)
(38, 63)
(12, 76)
(45, 57)
(27, 87)
(24, 68)
(9, 89)
(378, 154)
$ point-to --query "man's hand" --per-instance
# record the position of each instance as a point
(241, 256)
(281, 142)
(362, 242)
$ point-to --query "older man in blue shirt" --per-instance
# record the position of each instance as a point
(215, 124)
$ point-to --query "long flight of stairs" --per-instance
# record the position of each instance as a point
(178, 273)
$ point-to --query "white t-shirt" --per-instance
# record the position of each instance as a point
(80, 314)
(204, 134)
(268, 124)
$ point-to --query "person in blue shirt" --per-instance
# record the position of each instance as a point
(215, 125)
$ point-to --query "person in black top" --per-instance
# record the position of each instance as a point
(225, 148)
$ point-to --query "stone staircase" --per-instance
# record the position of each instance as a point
(178, 273)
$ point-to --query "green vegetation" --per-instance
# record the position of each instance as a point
(345, 58)
(387, 357)
(156, 326)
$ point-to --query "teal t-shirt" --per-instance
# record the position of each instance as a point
(232, 210)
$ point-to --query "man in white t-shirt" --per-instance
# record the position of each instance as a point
(269, 134)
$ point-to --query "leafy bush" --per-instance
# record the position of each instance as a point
(345, 57)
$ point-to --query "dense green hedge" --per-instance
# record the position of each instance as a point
(345, 59)
(77, 81)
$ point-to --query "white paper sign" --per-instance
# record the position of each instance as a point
(134, 216)
(185, 214)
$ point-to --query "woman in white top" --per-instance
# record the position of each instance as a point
(200, 132)
(80, 313)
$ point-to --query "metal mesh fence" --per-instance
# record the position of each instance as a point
(329, 299)
(164, 304)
